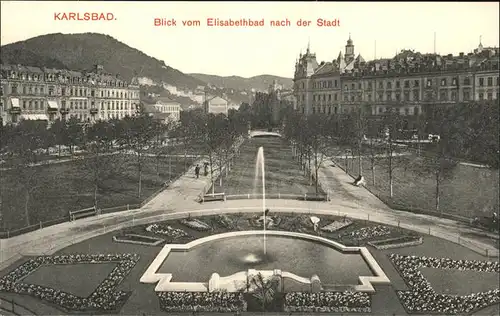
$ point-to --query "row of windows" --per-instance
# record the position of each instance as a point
(79, 92)
(336, 110)
(65, 79)
(488, 81)
(84, 105)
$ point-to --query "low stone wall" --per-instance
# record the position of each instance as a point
(123, 239)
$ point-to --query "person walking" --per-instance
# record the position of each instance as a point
(197, 171)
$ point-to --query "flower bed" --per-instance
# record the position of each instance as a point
(336, 225)
(368, 232)
(195, 224)
(225, 221)
(138, 239)
(202, 302)
(421, 298)
(398, 242)
(167, 230)
(271, 222)
(328, 302)
(105, 297)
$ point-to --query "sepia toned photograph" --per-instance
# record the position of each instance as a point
(249, 158)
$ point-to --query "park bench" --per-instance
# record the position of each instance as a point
(86, 212)
(213, 197)
(315, 197)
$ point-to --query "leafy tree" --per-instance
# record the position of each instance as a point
(24, 143)
(74, 134)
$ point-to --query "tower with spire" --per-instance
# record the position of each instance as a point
(349, 50)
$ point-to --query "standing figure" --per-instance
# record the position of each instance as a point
(197, 171)
(206, 168)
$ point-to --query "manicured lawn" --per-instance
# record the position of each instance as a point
(64, 276)
(468, 192)
(283, 174)
(62, 187)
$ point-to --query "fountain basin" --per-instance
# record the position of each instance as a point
(188, 267)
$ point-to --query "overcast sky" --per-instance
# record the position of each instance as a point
(247, 51)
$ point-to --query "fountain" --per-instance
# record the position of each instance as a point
(259, 165)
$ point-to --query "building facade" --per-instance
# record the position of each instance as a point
(407, 82)
(32, 93)
(164, 108)
(216, 105)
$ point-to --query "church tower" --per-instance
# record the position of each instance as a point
(349, 50)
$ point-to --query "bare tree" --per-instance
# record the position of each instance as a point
(316, 140)
(391, 122)
(140, 132)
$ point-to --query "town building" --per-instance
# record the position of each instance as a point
(216, 105)
(407, 82)
(32, 93)
(163, 109)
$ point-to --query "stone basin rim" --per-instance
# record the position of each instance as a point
(163, 279)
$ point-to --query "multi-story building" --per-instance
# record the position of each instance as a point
(163, 108)
(216, 105)
(34, 93)
(407, 82)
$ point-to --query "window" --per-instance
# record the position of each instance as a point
(324, 84)
(346, 87)
(380, 96)
(352, 86)
(359, 85)
(346, 97)
(416, 95)
(324, 97)
(398, 97)
(415, 110)
(63, 104)
(467, 81)
(369, 85)
(25, 91)
(407, 96)
(407, 111)
(398, 84)
(30, 106)
(443, 82)
(490, 96)
(443, 96)
(36, 105)
(302, 86)
(466, 96)
(63, 91)
(381, 85)
(352, 98)
(481, 82)
(490, 81)
(336, 83)
(454, 81)
(14, 88)
(24, 104)
(481, 96)
(335, 97)
(389, 96)
(389, 85)
(416, 83)
(429, 82)
(453, 95)
(407, 84)
(51, 90)
(330, 84)
(330, 97)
